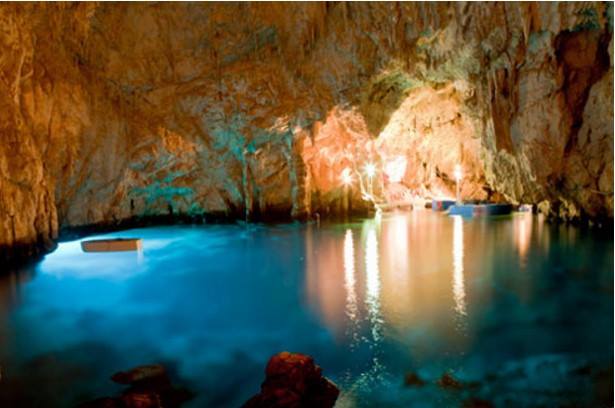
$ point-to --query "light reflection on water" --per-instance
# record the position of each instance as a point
(372, 270)
(434, 286)
(522, 224)
(459, 292)
(349, 283)
(370, 300)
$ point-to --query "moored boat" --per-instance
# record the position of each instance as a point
(112, 245)
(525, 208)
(441, 205)
(480, 210)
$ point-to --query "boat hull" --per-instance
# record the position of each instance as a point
(441, 205)
(112, 245)
(480, 210)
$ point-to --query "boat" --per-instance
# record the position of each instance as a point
(112, 245)
(441, 205)
(525, 208)
(480, 210)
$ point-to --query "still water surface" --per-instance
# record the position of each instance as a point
(518, 310)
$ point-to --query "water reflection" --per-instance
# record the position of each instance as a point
(349, 283)
(412, 271)
(395, 243)
(522, 226)
(372, 299)
(459, 292)
(69, 261)
(140, 257)
(374, 371)
(326, 276)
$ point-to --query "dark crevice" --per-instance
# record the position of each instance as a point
(585, 59)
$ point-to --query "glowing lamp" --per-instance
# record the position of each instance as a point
(346, 176)
(458, 173)
(370, 170)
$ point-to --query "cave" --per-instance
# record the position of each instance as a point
(306, 204)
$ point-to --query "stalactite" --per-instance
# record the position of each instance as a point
(84, 86)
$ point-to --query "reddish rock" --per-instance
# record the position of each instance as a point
(476, 403)
(154, 372)
(413, 379)
(448, 381)
(104, 402)
(150, 387)
(294, 381)
(134, 399)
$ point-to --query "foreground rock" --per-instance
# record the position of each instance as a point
(142, 374)
(448, 381)
(294, 381)
(150, 387)
(413, 379)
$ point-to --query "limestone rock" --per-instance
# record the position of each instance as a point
(412, 379)
(116, 112)
(293, 380)
(141, 374)
(448, 381)
(149, 387)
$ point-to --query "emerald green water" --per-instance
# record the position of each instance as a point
(519, 311)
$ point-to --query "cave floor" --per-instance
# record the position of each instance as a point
(518, 312)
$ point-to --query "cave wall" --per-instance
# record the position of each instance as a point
(115, 111)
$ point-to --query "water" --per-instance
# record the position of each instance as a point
(518, 310)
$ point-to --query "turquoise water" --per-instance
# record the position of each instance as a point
(518, 310)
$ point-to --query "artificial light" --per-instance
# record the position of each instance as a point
(370, 170)
(458, 173)
(346, 176)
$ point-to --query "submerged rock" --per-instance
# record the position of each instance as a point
(448, 381)
(104, 402)
(150, 387)
(141, 374)
(413, 379)
(476, 403)
(294, 380)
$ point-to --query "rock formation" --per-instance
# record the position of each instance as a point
(114, 112)
(294, 381)
(149, 387)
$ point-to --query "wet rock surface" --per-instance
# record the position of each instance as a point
(448, 381)
(114, 112)
(294, 380)
(413, 380)
(149, 387)
(477, 403)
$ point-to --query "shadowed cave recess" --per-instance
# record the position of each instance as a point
(121, 114)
